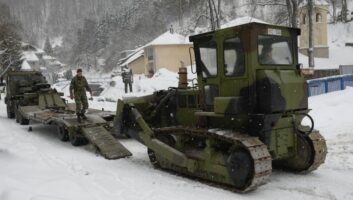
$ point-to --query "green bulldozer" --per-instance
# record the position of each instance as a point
(243, 118)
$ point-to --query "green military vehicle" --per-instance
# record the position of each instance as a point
(243, 118)
(18, 84)
(30, 98)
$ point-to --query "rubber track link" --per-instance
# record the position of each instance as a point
(261, 157)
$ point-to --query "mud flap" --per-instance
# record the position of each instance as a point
(107, 145)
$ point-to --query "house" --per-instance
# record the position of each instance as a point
(320, 14)
(32, 55)
(135, 61)
(37, 60)
(166, 51)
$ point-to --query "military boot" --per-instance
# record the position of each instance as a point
(79, 118)
(83, 114)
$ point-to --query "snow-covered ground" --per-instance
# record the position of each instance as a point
(37, 166)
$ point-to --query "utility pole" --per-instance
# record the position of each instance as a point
(311, 34)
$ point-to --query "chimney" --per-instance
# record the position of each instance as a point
(183, 76)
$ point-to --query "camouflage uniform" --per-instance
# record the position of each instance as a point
(79, 85)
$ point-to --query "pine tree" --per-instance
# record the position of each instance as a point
(47, 47)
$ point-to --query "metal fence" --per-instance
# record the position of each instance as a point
(329, 84)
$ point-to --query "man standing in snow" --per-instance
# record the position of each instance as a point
(127, 79)
(78, 88)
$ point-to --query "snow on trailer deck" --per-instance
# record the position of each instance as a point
(36, 165)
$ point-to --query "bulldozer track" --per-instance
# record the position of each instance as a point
(262, 161)
(320, 150)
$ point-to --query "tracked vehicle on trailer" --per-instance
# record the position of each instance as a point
(30, 98)
(243, 118)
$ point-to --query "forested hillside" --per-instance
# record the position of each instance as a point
(93, 30)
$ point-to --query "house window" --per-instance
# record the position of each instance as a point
(150, 55)
(318, 18)
(304, 19)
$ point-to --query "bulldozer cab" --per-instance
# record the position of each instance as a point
(233, 63)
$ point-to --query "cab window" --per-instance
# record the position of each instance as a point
(208, 58)
(234, 58)
(274, 50)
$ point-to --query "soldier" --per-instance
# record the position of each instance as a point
(127, 79)
(78, 88)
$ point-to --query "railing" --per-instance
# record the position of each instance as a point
(329, 84)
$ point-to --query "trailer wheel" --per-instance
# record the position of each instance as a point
(76, 139)
(17, 118)
(20, 118)
(23, 120)
(10, 111)
(63, 133)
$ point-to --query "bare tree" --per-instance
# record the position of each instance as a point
(311, 33)
(292, 8)
(334, 12)
(344, 11)
(215, 13)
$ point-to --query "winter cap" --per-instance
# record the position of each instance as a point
(79, 70)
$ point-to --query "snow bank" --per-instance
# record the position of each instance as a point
(142, 85)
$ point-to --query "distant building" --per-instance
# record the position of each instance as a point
(36, 59)
(321, 49)
(136, 62)
(165, 51)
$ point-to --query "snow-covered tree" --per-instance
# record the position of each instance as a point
(10, 46)
(47, 47)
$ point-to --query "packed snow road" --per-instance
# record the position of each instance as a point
(37, 166)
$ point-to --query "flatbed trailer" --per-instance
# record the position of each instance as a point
(95, 130)
(29, 98)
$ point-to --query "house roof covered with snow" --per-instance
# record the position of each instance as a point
(29, 56)
(46, 57)
(28, 47)
(169, 38)
(56, 62)
(316, 2)
(25, 66)
(133, 57)
(242, 20)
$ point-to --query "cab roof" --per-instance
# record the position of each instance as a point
(248, 26)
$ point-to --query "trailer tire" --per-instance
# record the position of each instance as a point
(77, 140)
(23, 120)
(10, 111)
(20, 118)
(63, 133)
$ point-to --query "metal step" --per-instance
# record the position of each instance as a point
(107, 145)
